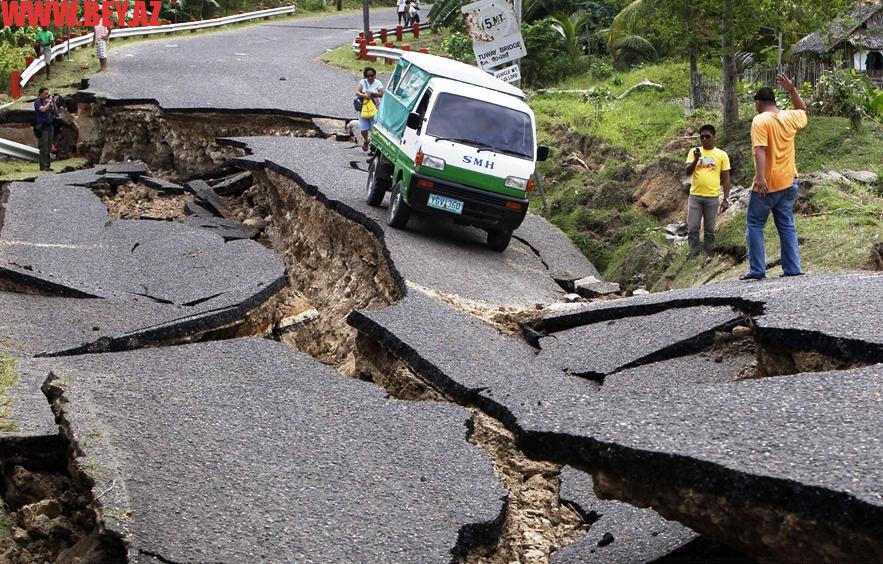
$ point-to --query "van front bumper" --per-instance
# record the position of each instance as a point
(481, 208)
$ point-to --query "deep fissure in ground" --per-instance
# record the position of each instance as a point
(335, 264)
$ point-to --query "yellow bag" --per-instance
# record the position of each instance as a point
(369, 110)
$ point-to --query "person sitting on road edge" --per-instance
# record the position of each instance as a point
(369, 88)
(709, 169)
(45, 109)
(44, 46)
(775, 181)
(100, 40)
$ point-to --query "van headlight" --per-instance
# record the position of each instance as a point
(429, 161)
(515, 182)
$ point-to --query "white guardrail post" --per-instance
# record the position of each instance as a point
(82, 40)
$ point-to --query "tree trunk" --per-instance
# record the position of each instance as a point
(730, 108)
(695, 101)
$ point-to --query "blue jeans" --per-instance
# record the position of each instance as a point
(781, 203)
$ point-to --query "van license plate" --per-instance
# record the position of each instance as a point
(446, 204)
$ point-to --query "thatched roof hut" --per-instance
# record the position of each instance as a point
(860, 29)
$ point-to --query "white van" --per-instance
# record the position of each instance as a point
(454, 141)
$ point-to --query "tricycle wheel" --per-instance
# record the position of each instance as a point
(399, 212)
(498, 239)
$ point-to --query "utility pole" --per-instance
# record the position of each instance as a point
(779, 56)
(365, 22)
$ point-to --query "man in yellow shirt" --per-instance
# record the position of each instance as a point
(775, 181)
(709, 169)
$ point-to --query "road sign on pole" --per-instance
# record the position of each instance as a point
(495, 32)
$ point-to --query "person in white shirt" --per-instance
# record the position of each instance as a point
(400, 9)
(100, 40)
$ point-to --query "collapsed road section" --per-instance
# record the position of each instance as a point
(656, 397)
(773, 466)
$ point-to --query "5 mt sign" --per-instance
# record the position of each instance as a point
(495, 33)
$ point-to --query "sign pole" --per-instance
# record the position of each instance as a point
(366, 25)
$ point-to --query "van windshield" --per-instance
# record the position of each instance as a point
(481, 124)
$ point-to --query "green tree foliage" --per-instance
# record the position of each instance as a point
(547, 60)
(845, 93)
(573, 30)
(15, 45)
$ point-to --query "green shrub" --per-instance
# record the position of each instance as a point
(844, 93)
(546, 62)
(459, 46)
(12, 57)
(600, 69)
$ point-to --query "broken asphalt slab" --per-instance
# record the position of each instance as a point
(34, 325)
(638, 340)
(28, 431)
(619, 533)
(260, 452)
(773, 467)
(57, 238)
(435, 254)
(837, 315)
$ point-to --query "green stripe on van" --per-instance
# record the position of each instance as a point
(473, 179)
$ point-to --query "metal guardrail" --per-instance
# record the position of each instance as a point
(82, 40)
(19, 151)
(386, 52)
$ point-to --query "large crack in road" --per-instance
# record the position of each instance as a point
(745, 412)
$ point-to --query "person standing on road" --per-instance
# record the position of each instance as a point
(369, 89)
(45, 108)
(400, 10)
(709, 170)
(100, 40)
(413, 12)
(775, 181)
(44, 44)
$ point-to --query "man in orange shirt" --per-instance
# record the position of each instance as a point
(775, 180)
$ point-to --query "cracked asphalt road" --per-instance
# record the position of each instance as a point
(435, 254)
(241, 69)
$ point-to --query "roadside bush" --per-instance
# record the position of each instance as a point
(459, 46)
(600, 69)
(12, 57)
(844, 93)
(547, 62)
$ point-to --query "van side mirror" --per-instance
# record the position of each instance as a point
(414, 120)
(542, 153)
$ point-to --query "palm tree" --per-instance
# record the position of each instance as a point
(622, 38)
(572, 30)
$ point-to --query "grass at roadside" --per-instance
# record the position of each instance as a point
(20, 170)
(640, 124)
(8, 377)
(605, 149)
(344, 58)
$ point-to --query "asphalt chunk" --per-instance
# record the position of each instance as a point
(603, 347)
(619, 533)
(246, 449)
(729, 460)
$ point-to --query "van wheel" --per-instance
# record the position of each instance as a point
(376, 188)
(498, 239)
(399, 212)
